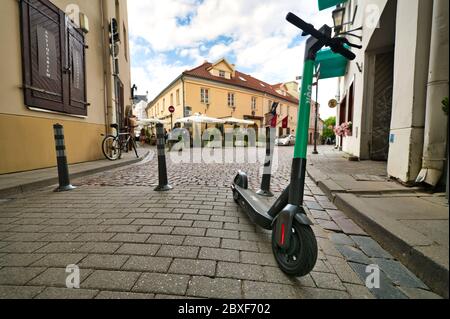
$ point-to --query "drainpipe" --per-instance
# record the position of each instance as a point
(106, 66)
(435, 139)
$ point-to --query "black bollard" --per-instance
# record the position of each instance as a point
(267, 173)
(61, 157)
(162, 166)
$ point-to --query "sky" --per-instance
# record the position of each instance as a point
(168, 37)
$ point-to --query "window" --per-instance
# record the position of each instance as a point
(178, 97)
(222, 74)
(231, 100)
(171, 99)
(204, 96)
(53, 60)
(351, 99)
(253, 103)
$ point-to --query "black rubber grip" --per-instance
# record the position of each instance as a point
(344, 52)
(306, 27)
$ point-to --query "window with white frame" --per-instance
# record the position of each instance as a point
(231, 100)
(204, 96)
(254, 103)
(222, 74)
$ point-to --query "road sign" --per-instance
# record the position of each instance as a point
(171, 109)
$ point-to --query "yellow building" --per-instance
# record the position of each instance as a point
(57, 67)
(218, 90)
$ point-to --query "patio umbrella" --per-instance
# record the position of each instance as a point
(199, 118)
(233, 120)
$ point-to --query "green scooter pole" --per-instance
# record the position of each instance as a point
(297, 188)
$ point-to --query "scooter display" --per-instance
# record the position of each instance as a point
(294, 244)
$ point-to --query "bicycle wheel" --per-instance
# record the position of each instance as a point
(111, 148)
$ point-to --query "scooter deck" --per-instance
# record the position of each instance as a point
(255, 207)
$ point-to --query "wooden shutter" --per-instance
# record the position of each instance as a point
(53, 59)
(77, 75)
(43, 55)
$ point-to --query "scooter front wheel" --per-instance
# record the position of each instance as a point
(301, 257)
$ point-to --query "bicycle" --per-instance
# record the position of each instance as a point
(114, 145)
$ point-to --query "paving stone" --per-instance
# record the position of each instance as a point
(240, 271)
(202, 241)
(327, 281)
(220, 233)
(354, 255)
(140, 263)
(313, 205)
(371, 248)
(105, 295)
(91, 237)
(241, 227)
(306, 281)
(399, 274)
(322, 267)
(103, 262)
(60, 248)
(138, 249)
(166, 239)
(111, 280)
(19, 260)
(415, 293)
(192, 217)
(263, 290)
(99, 248)
(19, 292)
(349, 227)
(130, 238)
(329, 225)
(219, 288)
(193, 267)
(208, 224)
(56, 277)
(219, 254)
(344, 271)
(191, 231)
(21, 247)
(156, 229)
(243, 245)
(178, 251)
(148, 222)
(320, 214)
(59, 260)
(316, 293)
(258, 259)
(225, 219)
(64, 293)
(336, 214)
(358, 291)
(386, 290)
(180, 223)
(162, 283)
(341, 239)
(326, 204)
(18, 275)
(328, 247)
(123, 229)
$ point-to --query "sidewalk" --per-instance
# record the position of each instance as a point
(408, 222)
(17, 183)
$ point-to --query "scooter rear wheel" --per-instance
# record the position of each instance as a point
(301, 257)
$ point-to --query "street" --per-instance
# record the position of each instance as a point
(192, 242)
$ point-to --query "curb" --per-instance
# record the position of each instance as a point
(24, 188)
(433, 274)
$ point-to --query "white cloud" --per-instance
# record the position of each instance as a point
(260, 37)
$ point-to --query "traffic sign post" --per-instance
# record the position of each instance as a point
(171, 110)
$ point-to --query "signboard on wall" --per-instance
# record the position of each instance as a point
(47, 55)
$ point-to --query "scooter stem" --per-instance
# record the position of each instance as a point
(298, 173)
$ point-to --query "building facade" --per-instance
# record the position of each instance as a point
(218, 90)
(393, 91)
(60, 69)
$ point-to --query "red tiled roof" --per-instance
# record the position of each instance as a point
(249, 83)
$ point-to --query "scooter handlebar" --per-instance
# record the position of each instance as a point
(336, 46)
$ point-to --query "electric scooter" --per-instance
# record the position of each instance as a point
(294, 244)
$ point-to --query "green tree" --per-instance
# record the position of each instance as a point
(328, 130)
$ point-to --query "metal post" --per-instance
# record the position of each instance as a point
(267, 173)
(315, 152)
(162, 167)
(61, 158)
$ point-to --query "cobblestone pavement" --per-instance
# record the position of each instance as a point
(192, 242)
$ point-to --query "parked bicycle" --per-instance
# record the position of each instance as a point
(114, 145)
